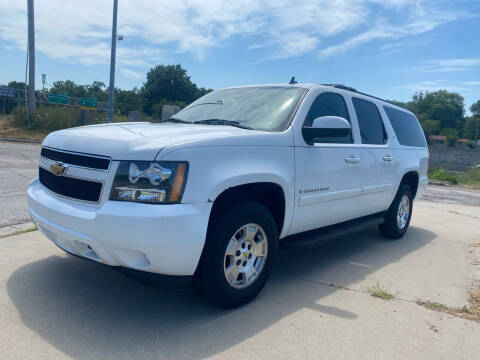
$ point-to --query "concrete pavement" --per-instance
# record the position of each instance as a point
(18, 165)
(57, 306)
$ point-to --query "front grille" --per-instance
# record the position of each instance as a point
(70, 187)
(88, 161)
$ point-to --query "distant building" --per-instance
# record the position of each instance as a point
(437, 139)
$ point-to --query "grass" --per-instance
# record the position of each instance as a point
(469, 178)
(47, 119)
(379, 291)
(23, 231)
(8, 130)
(470, 312)
(432, 305)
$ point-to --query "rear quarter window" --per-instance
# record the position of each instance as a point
(406, 127)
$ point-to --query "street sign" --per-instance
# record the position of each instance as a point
(6, 92)
(88, 103)
(58, 98)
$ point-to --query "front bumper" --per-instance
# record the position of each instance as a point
(163, 239)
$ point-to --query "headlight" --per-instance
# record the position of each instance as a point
(150, 182)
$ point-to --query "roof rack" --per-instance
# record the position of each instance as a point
(344, 87)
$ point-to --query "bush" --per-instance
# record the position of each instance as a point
(51, 118)
(471, 177)
(442, 175)
(451, 141)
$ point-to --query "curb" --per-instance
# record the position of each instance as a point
(21, 140)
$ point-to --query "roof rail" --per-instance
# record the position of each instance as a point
(344, 87)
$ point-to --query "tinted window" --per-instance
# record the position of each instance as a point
(329, 104)
(406, 126)
(370, 122)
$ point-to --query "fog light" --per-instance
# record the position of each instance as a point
(126, 193)
(152, 195)
(145, 195)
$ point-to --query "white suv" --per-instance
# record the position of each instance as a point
(213, 190)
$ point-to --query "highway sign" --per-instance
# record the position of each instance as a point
(6, 92)
(88, 103)
(58, 98)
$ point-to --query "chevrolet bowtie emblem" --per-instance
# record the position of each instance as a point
(58, 168)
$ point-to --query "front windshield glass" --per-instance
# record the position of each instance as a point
(259, 108)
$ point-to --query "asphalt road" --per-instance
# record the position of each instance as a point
(18, 165)
(316, 305)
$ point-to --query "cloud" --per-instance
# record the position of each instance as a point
(435, 85)
(131, 73)
(449, 65)
(156, 31)
(419, 21)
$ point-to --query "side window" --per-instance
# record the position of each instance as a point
(329, 104)
(406, 127)
(370, 122)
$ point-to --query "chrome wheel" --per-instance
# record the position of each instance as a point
(245, 256)
(403, 212)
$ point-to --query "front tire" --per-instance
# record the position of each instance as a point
(399, 214)
(238, 257)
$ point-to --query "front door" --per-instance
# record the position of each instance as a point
(328, 176)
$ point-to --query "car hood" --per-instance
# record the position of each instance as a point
(135, 141)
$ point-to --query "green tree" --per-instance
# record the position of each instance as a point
(430, 127)
(443, 106)
(168, 84)
(70, 88)
(98, 90)
(475, 109)
(127, 100)
(17, 85)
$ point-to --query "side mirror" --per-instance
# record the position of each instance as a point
(326, 128)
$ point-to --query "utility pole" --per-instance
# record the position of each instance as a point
(44, 81)
(111, 90)
(31, 58)
(476, 131)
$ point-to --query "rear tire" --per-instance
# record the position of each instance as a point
(399, 214)
(238, 256)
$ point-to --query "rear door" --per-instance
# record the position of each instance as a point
(378, 157)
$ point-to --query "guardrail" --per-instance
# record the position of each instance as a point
(44, 97)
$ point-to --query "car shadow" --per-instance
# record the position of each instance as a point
(91, 311)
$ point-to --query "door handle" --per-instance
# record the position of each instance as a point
(352, 159)
(388, 158)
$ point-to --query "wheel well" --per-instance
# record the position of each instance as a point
(411, 179)
(268, 194)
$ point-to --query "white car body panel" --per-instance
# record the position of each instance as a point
(320, 187)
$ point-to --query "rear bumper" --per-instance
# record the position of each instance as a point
(163, 239)
(422, 186)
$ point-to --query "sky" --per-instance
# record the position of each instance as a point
(388, 48)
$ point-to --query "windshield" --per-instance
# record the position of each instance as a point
(259, 108)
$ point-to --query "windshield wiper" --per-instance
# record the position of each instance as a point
(177, 120)
(222, 122)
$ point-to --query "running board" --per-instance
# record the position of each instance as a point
(318, 236)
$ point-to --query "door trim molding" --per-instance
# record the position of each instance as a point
(330, 196)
